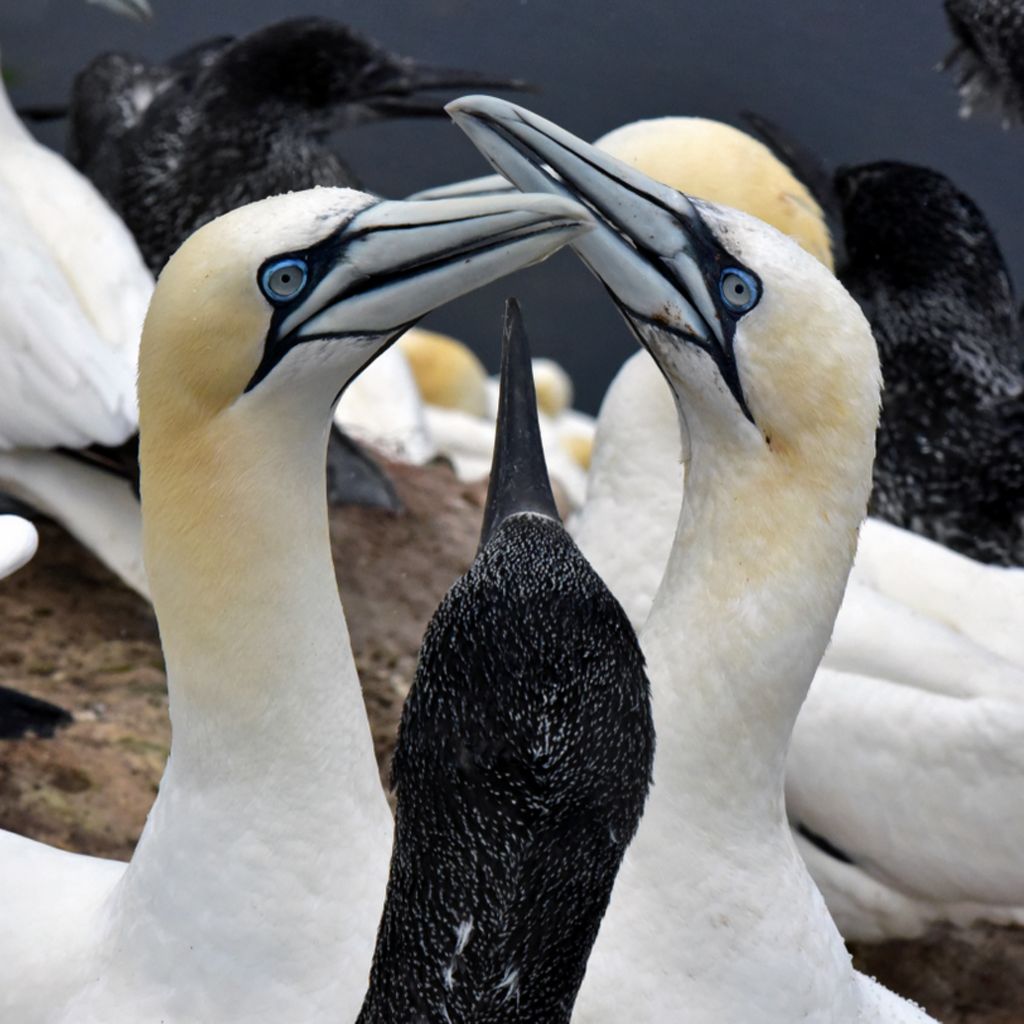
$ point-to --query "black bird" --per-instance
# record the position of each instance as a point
(230, 121)
(987, 60)
(523, 762)
(925, 266)
(22, 715)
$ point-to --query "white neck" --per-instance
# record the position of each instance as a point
(713, 899)
(271, 831)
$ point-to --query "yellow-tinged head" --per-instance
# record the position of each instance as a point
(723, 165)
(257, 324)
(771, 361)
(305, 289)
(447, 372)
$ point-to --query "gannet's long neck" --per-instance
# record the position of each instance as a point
(270, 824)
(756, 574)
(713, 890)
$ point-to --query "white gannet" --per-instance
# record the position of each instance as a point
(256, 887)
(522, 765)
(73, 294)
(715, 917)
(636, 478)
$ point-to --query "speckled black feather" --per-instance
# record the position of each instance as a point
(926, 268)
(523, 761)
(231, 121)
(988, 59)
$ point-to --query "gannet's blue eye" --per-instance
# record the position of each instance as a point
(740, 290)
(283, 279)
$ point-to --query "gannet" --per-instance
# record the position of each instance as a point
(626, 529)
(74, 293)
(986, 58)
(256, 887)
(714, 916)
(522, 765)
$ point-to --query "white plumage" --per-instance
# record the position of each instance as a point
(73, 295)
(256, 887)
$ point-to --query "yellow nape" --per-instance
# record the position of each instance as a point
(553, 387)
(717, 162)
(579, 448)
(447, 373)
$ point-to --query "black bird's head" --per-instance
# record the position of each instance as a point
(988, 58)
(329, 73)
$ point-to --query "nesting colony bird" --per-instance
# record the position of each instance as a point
(234, 120)
(934, 581)
(987, 60)
(926, 269)
(776, 375)
(920, 666)
(255, 890)
(522, 765)
(461, 402)
(74, 292)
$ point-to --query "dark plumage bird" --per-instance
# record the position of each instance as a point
(925, 267)
(230, 121)
(988, 59)
(924, 264)
(522, 766)
(22, 715)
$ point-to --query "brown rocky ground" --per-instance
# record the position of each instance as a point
(72, 634)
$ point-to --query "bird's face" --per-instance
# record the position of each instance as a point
(295, 294)
(763, 348)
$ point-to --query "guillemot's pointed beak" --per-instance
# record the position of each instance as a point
(399, 89)
(652, 250)
(395, 261)
(519, 475)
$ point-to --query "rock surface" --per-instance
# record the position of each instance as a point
(71, 634)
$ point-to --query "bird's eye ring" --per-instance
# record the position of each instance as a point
(739, 289)
(283, 279)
